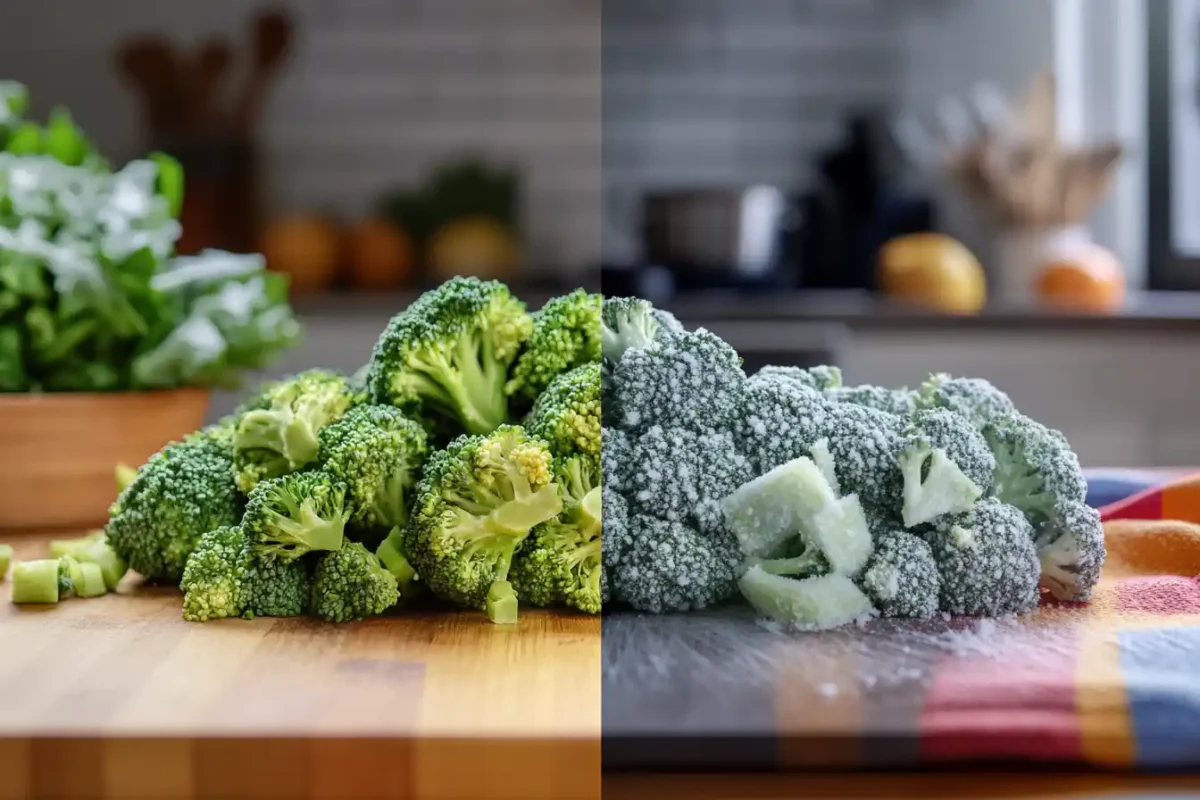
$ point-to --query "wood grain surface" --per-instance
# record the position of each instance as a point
(118, 697)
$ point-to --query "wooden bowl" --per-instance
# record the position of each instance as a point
(58, 452)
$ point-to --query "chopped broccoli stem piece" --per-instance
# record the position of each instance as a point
(764, 513)
(840, 532)
(125, 475)
(933, 485)
(90, 581)
(819, 603)
(69, 547)
(6, 554)
(502, 603)
(803, 566)
(824, 461)
(35, 581)
(97, 551)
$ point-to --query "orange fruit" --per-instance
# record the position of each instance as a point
(1089, 279)
(934, 271)
(378, 255)
(305, 248)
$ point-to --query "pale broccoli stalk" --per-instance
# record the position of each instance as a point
(93, 549)
(818, 603)
(1071, 551)
(79, 579)
(6, 554)
(1036, 471)
(299, 513)
(946, 466)
(35, 582)
(391, 554)
(629, 323)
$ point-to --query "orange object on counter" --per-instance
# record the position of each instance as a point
(1087, 279)
(476, 246)
(379, 255)
(932, 270)
(305, 248)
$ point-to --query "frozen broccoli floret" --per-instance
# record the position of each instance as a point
(567, 414)
(630, 323)
(819, 379)
(946, 466)
(300, 513)
(566, 334)
(680, 469)
(351, 584)
(1071, 550)
(1036, 470)
(615, 540)
(445, 359)
(902, 578)
(987, 561)
(818, 603)
(863, 443)
(974, 398)
(671, 566)
(617, 461)
(692, 380)
(781, 421)
(900, 402)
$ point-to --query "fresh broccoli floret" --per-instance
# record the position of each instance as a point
(566, 334)
(692, 380)
(446, 358)
(818, 603)
(351, 584)
(1036, 471)
(567, 414)
(680, 469)
(35, 581)
(215, 581)
(629, 323)
(476, 503)
(986, 560)
(781, 421)
(974, 398)
(278, 588)
(296, 514)
(377, 452)
(946, 466)
(1071, 550)
(6, 554)
(820, 379)
(900, 402)
(902, 578)
(181, 493)
(391, 555)
(281, 434)
(560, 563)
(863, 443)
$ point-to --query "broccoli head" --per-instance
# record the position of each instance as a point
(863, 443)
(351, 584)
(567, 414)
(476, 503)
(1036, 470)
(1071, 549)
(617, 460)
(900, 402)
(566, 334)
(781, 421)
(819, 379)
(181, 493)
(630, 323)
(446, 358)
(683, 475)
(377, 452)
(278, 433)
(946, 466)
(986, 560)
(902, 578)
(215, 581)
(278, 588)
(974, 398)
(296, 514)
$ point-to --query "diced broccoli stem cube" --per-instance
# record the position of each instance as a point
(811, 563)
(502, 603)
(6, 554)
(840, 531)
(69, 547)
(35, 581)
(91, 581)
(764, 513)
(819, 603)
(112, 566)
(944, 490)
(823, 458)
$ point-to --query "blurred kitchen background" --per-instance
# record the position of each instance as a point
(1003, 189)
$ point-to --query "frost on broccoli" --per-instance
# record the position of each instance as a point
(1071, 550)
(617, 460)
(974, 398)
(567, 414)
(351, 584)
(817, 603)
(446, 358)
(902, 577)
(679, 469)
(780, 421)
(987, 561)
(863, 443)
(946, 466)
(900, 402)
(300, 513)
(565, 335)
(819, 379)
(1036, 470)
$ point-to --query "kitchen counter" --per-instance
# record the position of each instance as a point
(119, 697)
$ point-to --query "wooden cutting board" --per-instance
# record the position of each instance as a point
(118, 697)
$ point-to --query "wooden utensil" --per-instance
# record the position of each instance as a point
(151, 65)
(272, 40)
(211, 65)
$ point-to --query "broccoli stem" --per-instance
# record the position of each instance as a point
(468, 383)
(299, 442)
(6, 554)
(390, 506)
(125, 475)
(310, 532)
(112, 566)
(829, 601)
(798, 567)
(35, 581)
(391, 555)
(69, 547)
(90, 581)
(945, 490)
(502, 603)
(523, 513)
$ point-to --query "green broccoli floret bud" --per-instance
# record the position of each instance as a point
(181, 493)
(680, 470)
(1071, 550)
(215, 581)
(946, 466)
(560, 563)
(692, 380)
(1036, 471)
(974, 398)
(900, 402)
(781, 421)
(377, 452)
(278, 588)
(391, 555)
(6, 554)
(819, 603)
(631, 323)
(566, 335)
(281, 435)
(567, 414)
(820, 379)
(446, 358)
(902, 578)
(35, 581)
(670, 566)
(296, 514)
(986, 560)
(476, 503)
(351, 584)
(863, 443)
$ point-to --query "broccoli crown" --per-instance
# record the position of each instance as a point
(566, 334)
(629, 323)
(781, 422)
(901, 577)
(974, 398)
(215, 581)
(615, 540)
(290, 516)
(560, 563)
(377, 452)
(1071, 550)
(946, 466)
(1036, 470)
(820, 379)
(278, 432)
(692, 380)
(476, 502)
(617, 463)
(446, 357)
(278, 588)
(986, 560)
(567, 414)
(900, 402)
(679, 470)
(351, 584)
(952, 433)
(863, 443)
(181, 493)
